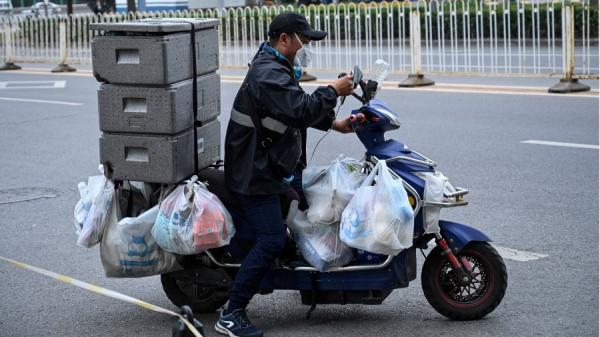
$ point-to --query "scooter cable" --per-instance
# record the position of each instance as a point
(323, 137)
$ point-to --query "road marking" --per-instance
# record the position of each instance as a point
(509, 253)
(42, 71)
(19, 85)
(451, 88)
(518, 255)
(38, 101)
(543, 142)
(14, 195)
(438, 87)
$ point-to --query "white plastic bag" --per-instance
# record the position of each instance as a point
(436, 184)
(379, 218)
(172, 229)
(320, 245)
(129, 250)
(82, 207)
(91, 210)
(329, 189)
(297, 221)
(191, 219)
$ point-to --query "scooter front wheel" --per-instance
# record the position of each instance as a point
(469, 301)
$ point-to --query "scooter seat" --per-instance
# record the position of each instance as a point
(215, 180)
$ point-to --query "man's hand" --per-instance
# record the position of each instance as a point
(343, 85)
(345, 125)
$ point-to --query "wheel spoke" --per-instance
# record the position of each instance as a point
(464, 293)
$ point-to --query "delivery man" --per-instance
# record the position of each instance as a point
(265, 147)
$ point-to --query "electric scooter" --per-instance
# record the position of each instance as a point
(463, 276)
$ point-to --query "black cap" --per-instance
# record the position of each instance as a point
(290, 22)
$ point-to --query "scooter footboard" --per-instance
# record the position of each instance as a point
(458, 235)
(397, 274)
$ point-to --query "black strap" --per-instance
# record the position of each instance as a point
(194, 94)
(265, 141)
(130, 201)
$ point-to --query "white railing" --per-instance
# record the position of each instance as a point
(470, 37)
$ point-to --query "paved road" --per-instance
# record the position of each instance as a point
(530, 197)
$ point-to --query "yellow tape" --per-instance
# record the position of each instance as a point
(103, 291)
(65, 279)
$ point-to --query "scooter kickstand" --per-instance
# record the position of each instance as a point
(181, 330)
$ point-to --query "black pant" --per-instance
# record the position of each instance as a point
(263, 216)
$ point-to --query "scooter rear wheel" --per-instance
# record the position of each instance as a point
(201, 299)
(465, 302)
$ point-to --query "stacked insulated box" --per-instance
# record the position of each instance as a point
(150, 107)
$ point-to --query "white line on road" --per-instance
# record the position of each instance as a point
(518, 255)
(543, 142)
(19, 85)
(38, 101)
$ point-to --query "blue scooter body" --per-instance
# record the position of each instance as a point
(371, 135)
(358, 286)
(370, 278)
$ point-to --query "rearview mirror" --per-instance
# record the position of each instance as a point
(357, 76)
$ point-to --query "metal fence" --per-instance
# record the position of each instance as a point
(471, 37)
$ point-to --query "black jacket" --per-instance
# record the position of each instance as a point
(270, 90)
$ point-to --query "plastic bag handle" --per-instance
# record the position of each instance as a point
(381, 165)
(386, 176)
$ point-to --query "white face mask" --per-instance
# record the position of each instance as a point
(304, 54)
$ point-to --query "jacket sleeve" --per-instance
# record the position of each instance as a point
(284, 100)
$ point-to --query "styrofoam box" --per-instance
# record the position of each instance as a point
(154, 51)
(160, 159)
(157, 110)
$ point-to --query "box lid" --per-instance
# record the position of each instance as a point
(156, 25)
